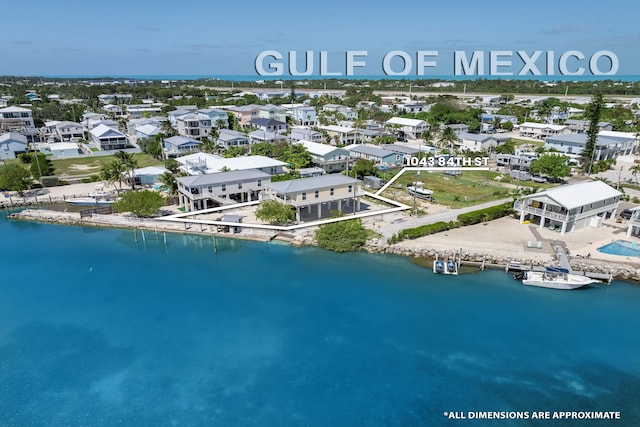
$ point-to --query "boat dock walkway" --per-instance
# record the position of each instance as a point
(563, 262)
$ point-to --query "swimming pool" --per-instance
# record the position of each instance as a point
(621, 247)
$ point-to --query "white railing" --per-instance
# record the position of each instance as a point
(519, 206)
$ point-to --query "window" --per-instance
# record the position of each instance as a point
(316, 194)
(239, 185)
(223, 187)
(304, 196)
(259, 183)
(350, 188)
(210, 189)
(331, 191)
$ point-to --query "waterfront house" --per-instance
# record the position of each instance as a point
(147, 176)
(633, 225)
(570, 207)
(232, 138)
(179, 145)
(12, 144)
(541, 130)
(324, 193)
(328, 157)
(107, 138)
(378, 155)
(304, 134)
(412, 128)
(221, 188)
(201, 163)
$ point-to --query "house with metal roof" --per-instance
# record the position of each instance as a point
(262, 136)
(328, 157)
(609, 145)
(570, 207)
(475, 142)
(232, 138)
(321, 193)
(270, 125)
(179, 145)
(204, 163)
(407, 127)
(108, 138)
(16, 118)
(378, 155)
(304, 134)
(274, 112)
(11, 145)
(221, 188)
(541, 130)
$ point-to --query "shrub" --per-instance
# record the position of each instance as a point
(343, 236)
(487, 214)
(49, 181)
(423, 230)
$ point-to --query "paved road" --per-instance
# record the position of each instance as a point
(450, 215)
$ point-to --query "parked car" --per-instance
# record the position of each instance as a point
(626, 214)
(402, 139)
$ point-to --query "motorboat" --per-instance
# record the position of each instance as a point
(90, 201)
(554, 278)
(418, 191)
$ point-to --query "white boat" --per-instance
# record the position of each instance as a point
(90, 201)
(419, 192)
(554, 279)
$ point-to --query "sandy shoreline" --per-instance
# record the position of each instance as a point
(498, 242)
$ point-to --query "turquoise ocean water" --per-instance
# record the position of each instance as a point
(98, 330)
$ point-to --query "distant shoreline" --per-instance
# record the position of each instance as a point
(256, 77)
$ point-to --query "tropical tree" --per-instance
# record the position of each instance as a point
(15, 178)
(129, 163)
(594, 110)
(143, 204)
(208, 145)
(274, 212)
(172, 164)
(448, 137)
(342, 236)
(169, 184)
(113, 172)
(551, 165)
(363, 168)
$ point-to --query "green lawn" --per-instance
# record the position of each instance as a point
(469, 188)
(91, 165)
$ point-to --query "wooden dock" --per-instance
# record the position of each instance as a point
(563, 261)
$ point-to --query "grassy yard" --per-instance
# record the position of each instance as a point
(92, 165)
(469, 188)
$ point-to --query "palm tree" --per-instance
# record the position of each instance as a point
(448, 137)
(427, 137)
(129, 163)
(113, 172)
(169, 184)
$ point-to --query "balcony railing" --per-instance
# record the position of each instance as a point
(311, 200)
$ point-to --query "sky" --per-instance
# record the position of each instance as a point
(217, 38)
